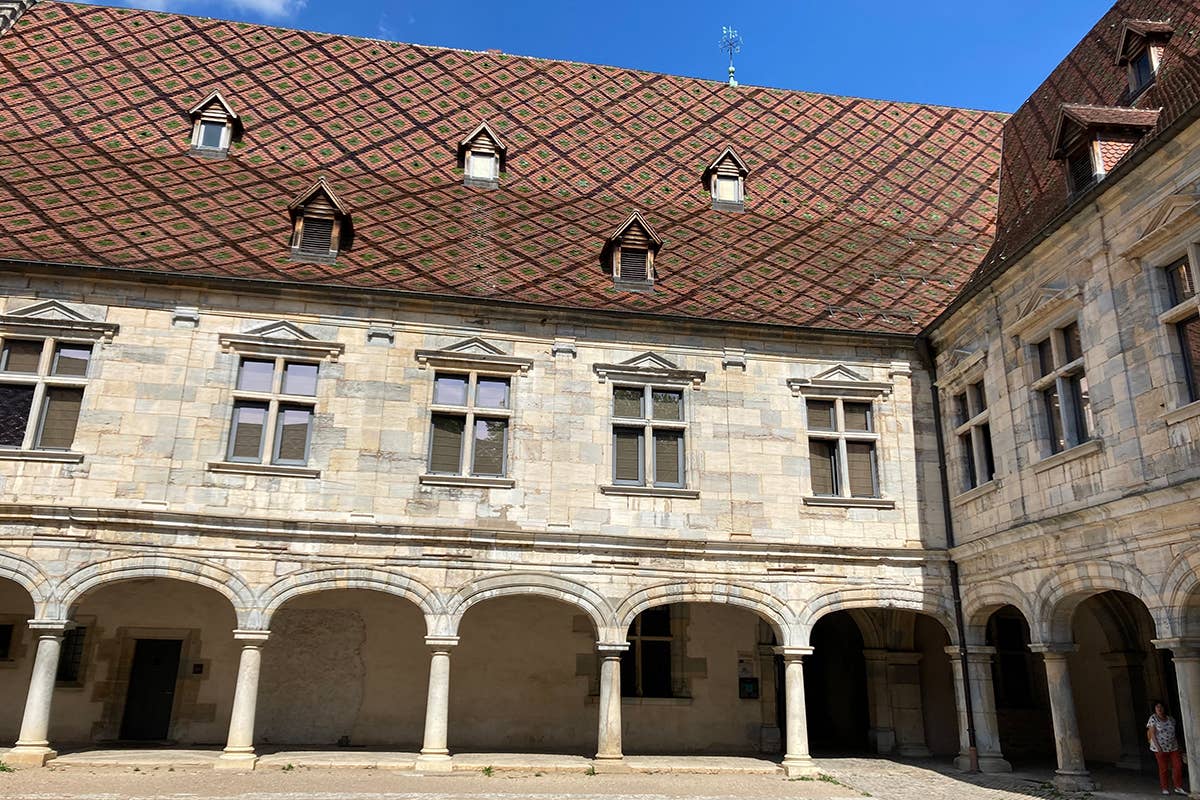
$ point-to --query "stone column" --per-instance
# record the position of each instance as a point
(882, 735)
(33, 746)
(435, 756)
(1186, 656)
(1072, 774)
(239, 747)
(1125, 669)
(796, 761)
(609, 757)
(983, 701)
(908, 715)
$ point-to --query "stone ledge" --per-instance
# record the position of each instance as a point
(57, 456)
(1181, 414)
(651, 491)
(1078, 451)
(974, 494)
(850, 502)
(267, 470)
(467, 482)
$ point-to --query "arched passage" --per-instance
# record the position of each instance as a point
(524, 675)
(17, 645)
(151, 659)
(1018, 676)
(879, 681)
(343, 666)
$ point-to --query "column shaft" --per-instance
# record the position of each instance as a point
(33, 746)
(609, 739)
(239, 747)
(435, 755)
(796, 761)
(1187, 678)
(983, 701)
(1072, 773)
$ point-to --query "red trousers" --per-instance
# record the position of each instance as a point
(1174, 763)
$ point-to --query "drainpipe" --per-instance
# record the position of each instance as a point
(925, 349)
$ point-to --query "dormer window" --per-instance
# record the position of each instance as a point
(320, 225)
(725, 180)
(214, 126)
(629, 254)
(1140, 50)
(1092, 140)
(481, 155)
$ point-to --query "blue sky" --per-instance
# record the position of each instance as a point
(988, 54)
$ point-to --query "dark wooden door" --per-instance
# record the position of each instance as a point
(151, 689)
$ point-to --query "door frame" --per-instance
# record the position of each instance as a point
(187, 686)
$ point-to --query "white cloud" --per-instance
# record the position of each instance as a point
(272, 9)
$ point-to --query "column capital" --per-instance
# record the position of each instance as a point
(1180, 647)
(903, 657)
(1054, 649)
(441, 642)
(611, 648)
(50, 625)
(975, 652)
(250, 637)
(793, 653)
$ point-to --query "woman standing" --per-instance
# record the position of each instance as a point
(1160, 731)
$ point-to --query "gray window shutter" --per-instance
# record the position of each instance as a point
(627, 403)
(22, 356)
(857, 415)
(61, 418)
(627, 455)
(246, 440)
(490, 439)
(860, 468)
(15, 404)
(820, 415)
(823, 456)
(445, 447)
(291, 440)
(668, 458)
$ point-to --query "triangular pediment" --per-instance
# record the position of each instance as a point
(50, 309)
(1044, 295)
(318, 191)
(840, 373)
(484, 130)
(636, 220)
(283, 331)
(727, 155)
(1169, 210)
(474, 346)
(214, 98)
(650, 360)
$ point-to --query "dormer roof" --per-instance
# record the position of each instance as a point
(214, 97)
(636, 219)
(1079, 121)
(317, 189)
(1136, 31)
(482, 129)
(726, 155)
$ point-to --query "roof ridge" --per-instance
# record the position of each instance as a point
(391, 42)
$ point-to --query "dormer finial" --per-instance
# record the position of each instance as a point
(731, 42)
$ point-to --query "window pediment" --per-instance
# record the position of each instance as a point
(280, 339)
(1170, 219)
(1048, 307)
(650, 367)
(964, 366)
(51, 318)
(839, 381)
(474, 353)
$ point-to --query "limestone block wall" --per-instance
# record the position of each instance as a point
(158, 405)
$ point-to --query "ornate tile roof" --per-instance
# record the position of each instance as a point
(861, 214)
(1089, 82)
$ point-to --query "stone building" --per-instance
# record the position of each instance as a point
(331, 368)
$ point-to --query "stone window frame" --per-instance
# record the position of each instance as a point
(86, 649)
(1059, 372)
(682, 668)
(970, 422)
(471, 412)
(842, 437)
(840, 385)
(43, 380)
(17, 643)
(651, 425)
(277, 401)
(1177, 312)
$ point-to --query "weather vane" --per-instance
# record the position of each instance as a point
(731, 42)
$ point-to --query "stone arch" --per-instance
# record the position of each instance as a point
(370, 579)
(1181, 595)
(880, 597)
(205, 573)
(770, 608)
(33, 579)
(1061, 593)
(597, 607)
(982, 601)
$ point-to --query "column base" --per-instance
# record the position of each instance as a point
(1074, 781)
(237, 761)
(23, 756)
(800, 767)
(610, 765)
(434, 762)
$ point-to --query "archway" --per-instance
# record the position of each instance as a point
(523, 676)
(343, 667)
(149, 660)
(1019, 685)
(17, 646)
(879, 681)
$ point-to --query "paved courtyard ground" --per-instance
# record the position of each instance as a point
(843, 778)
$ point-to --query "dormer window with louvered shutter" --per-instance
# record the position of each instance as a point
(320, 225)
(215, 125)
(481, 156)
(1140, 51)
(725, 179)
(1092, 140)
(629, 254)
